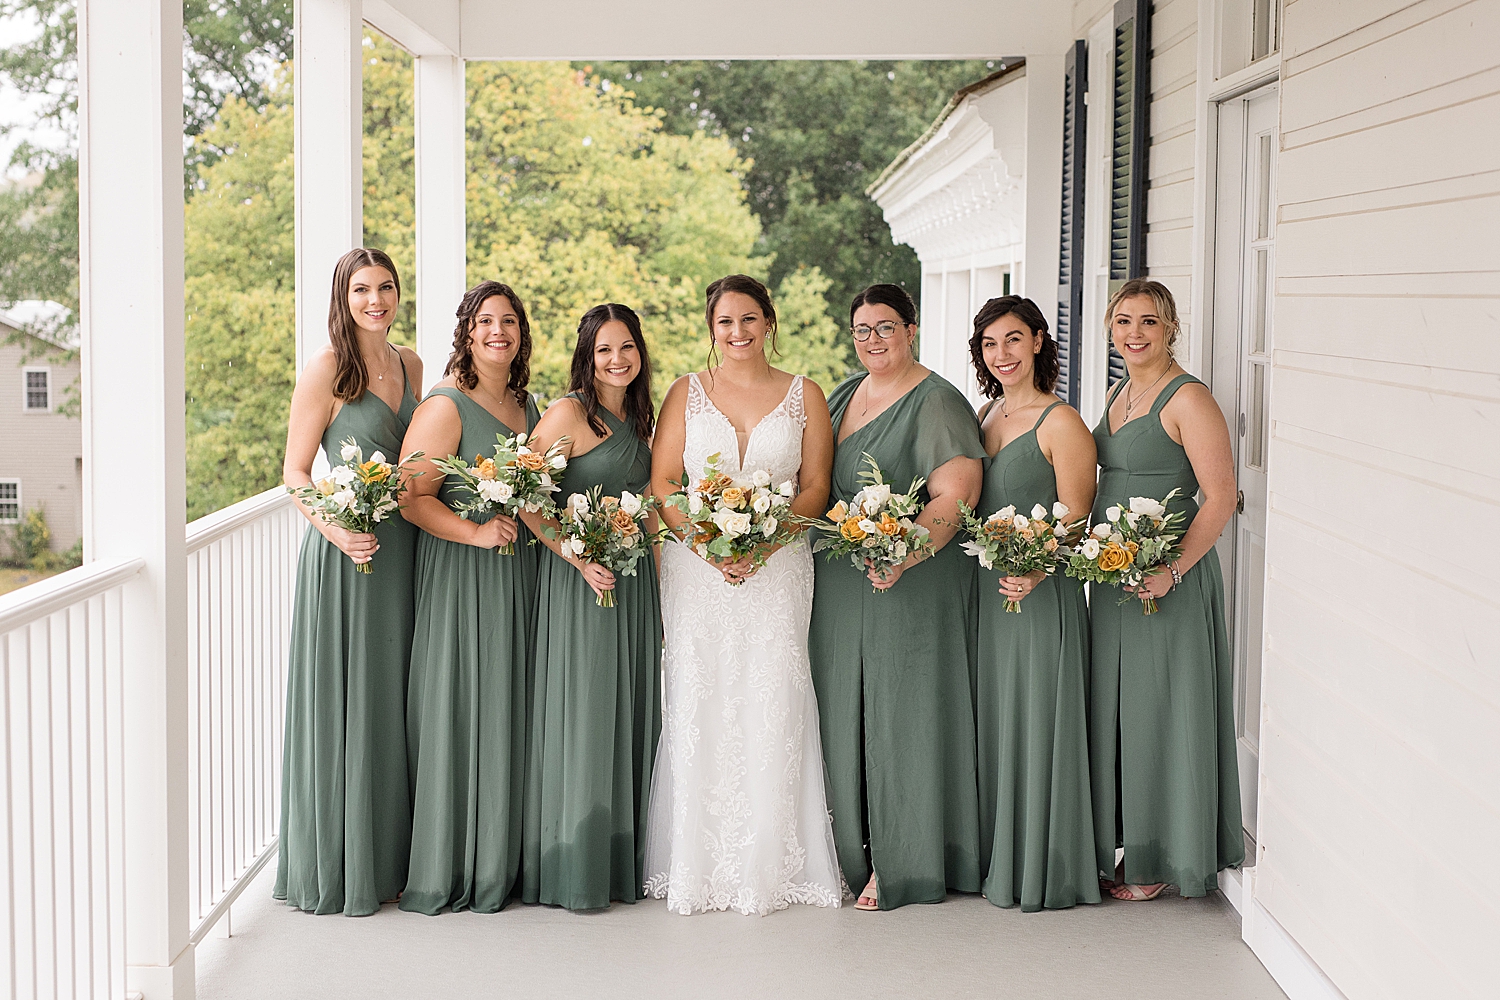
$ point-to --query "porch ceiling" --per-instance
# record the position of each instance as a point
(717, 29)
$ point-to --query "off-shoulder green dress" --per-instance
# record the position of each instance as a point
(466, 704)
(1162, 746)
(345, 807)
(596, 713)
(894, 672)
(1036, 824)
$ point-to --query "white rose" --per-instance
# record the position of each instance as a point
(768, 526)
(1060, 510)
(787, 489)
(521, 439)
(1101, 530)
(559, 462)
(1006, 513)
(899, 550)
(761, 478)
(876, 497)
(343, 475)
(630, 503)
(631, 540)
(377, 457)
(1038, 512)
(490, 490)
(1145, 505)
(1112, 513)
(761, 504)
(1090, 548)
(732, 523)
(576, 546)
(1131, 517)
(695, 504)
(871, 541)
(1060, 530)
(349, 452)
(1019, 521)
(522, 450)
(344, 499)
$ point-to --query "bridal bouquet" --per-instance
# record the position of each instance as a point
(515, 479)
(608, 530)
(357, 495)
(1128, 544)
(729, 519)
(875, 529)
(1015, 543)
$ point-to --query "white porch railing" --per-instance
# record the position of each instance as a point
(62, 892)
(242, 570)
(61, 780)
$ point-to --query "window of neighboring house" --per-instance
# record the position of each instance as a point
(38, 388)
(10, 501)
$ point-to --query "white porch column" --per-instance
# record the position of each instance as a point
(1044, 137)
(131, 286)
(328, 105)
(442, 242)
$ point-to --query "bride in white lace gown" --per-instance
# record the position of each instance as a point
(737, 816)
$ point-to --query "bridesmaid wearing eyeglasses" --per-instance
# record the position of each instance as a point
(893, 652)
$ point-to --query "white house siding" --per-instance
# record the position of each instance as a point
(1380, 782)
(43, 450)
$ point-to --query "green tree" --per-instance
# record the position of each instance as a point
(815, 133)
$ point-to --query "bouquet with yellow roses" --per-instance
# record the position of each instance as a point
(875, 529)
(357, 494)
(1128, 544)
(1015, 543)
(608, 530)
(514, 479)
(729, 519)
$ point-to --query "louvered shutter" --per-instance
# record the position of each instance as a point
(1131, 135)
(1070, 321)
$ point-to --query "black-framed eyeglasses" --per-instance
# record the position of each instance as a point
(885, 331)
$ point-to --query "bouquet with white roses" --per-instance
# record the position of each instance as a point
(516, 478)
(357, 495)
(1130, 543)
(875, 529)
(729, 519)
(1015, 543)
(608, 530)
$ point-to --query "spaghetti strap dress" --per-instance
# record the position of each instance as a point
(894, 672)
(467, 702)
(1036, 821)
(1162, 745)
(345, 807)
(596, 712)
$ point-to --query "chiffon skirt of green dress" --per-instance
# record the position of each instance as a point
(1165, 770)
(1036, 824)
(466, 723)
(345, 806)
(595, 721)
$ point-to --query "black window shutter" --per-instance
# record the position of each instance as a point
(1070, 322)
(1131, 138)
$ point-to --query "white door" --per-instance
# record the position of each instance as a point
(1244, 247)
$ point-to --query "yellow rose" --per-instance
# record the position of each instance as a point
(839, 512)
(733, 497)
(484, 468)
(374, 472)
(1113, 557)
(889, 525)
(851, 530)
(1134, 548)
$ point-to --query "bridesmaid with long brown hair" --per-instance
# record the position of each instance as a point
(345, 808)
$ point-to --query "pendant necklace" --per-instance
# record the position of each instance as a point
(1129, 405)
(1004, 413)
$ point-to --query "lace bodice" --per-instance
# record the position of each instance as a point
(775, 443)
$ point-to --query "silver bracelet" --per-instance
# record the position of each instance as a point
(1176, 576)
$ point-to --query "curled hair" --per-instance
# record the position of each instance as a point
(745, 285)
(1161, 301)
(892, 296)
(461, 361)
(1044, 366)
(351, 378)
(582, 379)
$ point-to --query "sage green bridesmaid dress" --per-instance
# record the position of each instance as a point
(894, 672)
(467, 703)
(345, 807)
(1036, 821)
(1162, 745)
(596, 714)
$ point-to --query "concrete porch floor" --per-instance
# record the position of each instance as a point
(1168, 948)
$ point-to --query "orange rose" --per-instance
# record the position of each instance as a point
(484, 468)
(733, 497)
(851, 530)
(889, 525)
(609, 503)
(714, 484)
(1114, 557)
(532, 462)
(623, 522)
(1050, 545)
(839, 512)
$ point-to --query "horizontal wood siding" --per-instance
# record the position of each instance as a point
(1380, 767)
(41, 449)
(1169, 200)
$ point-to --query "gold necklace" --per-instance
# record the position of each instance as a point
(1005, 413)
(1132, 405)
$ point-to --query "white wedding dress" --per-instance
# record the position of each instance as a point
(738, 818)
